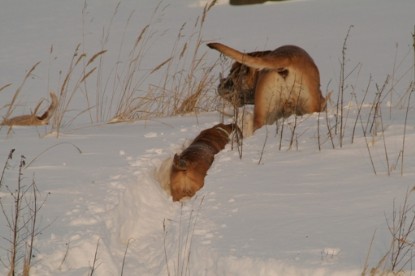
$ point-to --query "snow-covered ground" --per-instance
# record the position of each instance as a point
(298, 211)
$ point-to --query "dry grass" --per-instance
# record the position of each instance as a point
(399, 256)
(182, 83)
(20, 210)
(79, 70)
(187, 86)
(186, 83)
(13, 103)
(178, 259)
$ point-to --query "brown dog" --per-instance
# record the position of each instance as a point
(238, 87)
(283, 82)
(190, 167)
(33, 119)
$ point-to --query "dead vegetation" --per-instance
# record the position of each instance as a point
(187, 85)
(182, 83)
(34, 119)
(20, 209)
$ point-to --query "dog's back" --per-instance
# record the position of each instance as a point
(286, 82)
(190, 167)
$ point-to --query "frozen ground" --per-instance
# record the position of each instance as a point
(302, 211)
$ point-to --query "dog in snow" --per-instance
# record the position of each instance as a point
(280, 83)
(189, 168)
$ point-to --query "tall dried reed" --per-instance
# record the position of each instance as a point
(186, 84)
(12, 105)
(80, 68)
(20, 210)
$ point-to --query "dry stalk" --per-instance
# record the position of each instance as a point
(183, 240)
(401, 228)
(384, 143)
(281, 133)
(318, 131)
(49, 148)
(340, 98)
(6, 165)
(21, 221)
(166, 258)
(408, 105)
(263, 145)
(329, 129)
(65, 255)
(71, 85)
(341, 119)
(12, 105)
(94, 265)
(359, 109)
(293, 133)
(368, 147)
(4, 86)
(124, 256)
(366, 265)
(399, 256)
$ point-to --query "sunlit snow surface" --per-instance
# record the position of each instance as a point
(298, 211)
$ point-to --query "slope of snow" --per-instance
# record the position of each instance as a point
(298, 211)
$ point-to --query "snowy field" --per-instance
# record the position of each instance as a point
(311, 209)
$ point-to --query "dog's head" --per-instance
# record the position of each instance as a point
(189, 169)
(186, 177)
(238, 87)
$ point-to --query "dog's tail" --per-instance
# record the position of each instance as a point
(257, 62)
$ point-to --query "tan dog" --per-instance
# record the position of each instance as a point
(190, 167)
(33, 119)
(283, 82)
(239, 86)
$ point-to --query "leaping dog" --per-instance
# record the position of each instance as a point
(280, 83)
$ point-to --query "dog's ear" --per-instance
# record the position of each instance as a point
(179, 164)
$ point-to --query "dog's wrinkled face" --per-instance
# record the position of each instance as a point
(238, 87)
(186, 179)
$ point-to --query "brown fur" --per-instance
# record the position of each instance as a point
(190, 167)
(285, 81)
(239, 86)
(33, 119)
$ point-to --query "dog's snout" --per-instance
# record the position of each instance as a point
(226, 84)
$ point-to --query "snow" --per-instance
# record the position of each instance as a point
(298, 211)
